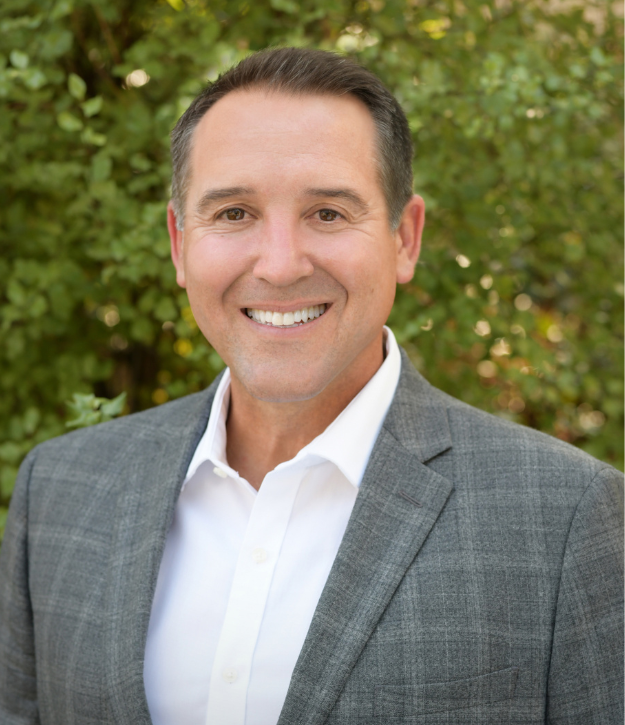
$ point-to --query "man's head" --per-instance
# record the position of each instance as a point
(285, 210)
(303, 71)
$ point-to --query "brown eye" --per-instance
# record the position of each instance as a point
(327, 215)
(235, 215)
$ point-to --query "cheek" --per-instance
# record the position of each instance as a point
(212, 265)
(368, 273)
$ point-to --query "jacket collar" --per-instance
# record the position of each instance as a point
(160, 448)
(418, 415)
(399, 502)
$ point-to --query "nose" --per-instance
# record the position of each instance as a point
(282, 259)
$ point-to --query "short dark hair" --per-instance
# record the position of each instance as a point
(307, 71)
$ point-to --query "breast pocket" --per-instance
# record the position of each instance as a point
(406, 703)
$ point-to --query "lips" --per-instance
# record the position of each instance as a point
(286, 319)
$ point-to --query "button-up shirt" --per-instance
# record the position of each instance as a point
(243, 570)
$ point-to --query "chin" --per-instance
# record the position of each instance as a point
(273, 392)
(275, 384)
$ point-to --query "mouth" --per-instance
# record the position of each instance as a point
(296, 318)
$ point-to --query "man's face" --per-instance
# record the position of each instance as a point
(285, 213)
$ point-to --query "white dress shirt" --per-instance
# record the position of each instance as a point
(243, 570)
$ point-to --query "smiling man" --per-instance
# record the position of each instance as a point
(290, 261)
(321, 536)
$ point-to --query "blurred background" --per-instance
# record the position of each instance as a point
(516, 111)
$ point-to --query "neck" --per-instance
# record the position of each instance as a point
(261, 434)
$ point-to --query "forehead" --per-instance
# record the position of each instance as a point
(259, 132)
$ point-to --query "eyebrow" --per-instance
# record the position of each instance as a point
(212, 195)
(346, 194)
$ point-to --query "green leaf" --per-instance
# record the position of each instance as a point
(8, 475)
(55, 43)
(597, 56)
(101, 166)
(10, 452)
(61, 9)
(285, 6)
(92, 137)
(3, 520)
(34, 79)
(83, 401)
(32, 418)
(84, 419)
(89, 410)
(68, 122)
(77, 87)
(165, 310)
(18, 59)
(92, 107)
(112, 408)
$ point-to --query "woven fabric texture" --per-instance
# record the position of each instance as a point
(479, 581)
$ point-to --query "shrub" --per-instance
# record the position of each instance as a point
(516, 111)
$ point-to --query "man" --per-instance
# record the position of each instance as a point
(321, 536)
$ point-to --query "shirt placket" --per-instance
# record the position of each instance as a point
(230, 675)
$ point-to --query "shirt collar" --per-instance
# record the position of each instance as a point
(212, 445)
(347, 441)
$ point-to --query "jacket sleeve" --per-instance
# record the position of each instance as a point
(585, 685)
(18, 685)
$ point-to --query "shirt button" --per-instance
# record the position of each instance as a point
(229, 675)
(220, 472)
(259, 555)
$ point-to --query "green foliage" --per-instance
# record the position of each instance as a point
(90, 410)
(516, 111)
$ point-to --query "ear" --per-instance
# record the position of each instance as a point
(176, 237)
(408, 238)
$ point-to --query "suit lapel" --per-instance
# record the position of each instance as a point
(399, 501)
(159, 457)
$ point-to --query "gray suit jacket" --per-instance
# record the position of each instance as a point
(479, 580)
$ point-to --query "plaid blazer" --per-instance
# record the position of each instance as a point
(479, 580)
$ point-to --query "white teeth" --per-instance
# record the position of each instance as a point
(286, 319)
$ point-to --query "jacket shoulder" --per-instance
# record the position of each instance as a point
(97, 445)
(474, 428)
(497, 453)
(482, 446)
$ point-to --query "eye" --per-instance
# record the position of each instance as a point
(234, 215)
(328, 215)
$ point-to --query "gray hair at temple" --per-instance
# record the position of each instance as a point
(306, 71)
